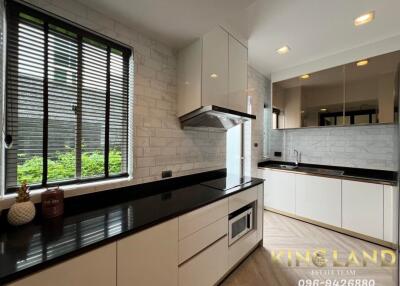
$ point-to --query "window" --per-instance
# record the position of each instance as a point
(350, 117)
(67, 93)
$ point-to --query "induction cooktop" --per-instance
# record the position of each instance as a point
(227, 183)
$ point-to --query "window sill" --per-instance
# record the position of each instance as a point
(72, 190)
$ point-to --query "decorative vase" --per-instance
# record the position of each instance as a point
(21, 213)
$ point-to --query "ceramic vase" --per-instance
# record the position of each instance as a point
(21, 213)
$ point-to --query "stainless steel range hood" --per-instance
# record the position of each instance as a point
(214, 117)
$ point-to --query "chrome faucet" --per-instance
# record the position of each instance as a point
(298, 157)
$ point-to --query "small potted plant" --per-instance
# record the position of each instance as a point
(23, 210)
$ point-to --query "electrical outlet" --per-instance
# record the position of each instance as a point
(166, 174)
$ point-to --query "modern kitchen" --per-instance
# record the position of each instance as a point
(174, 143)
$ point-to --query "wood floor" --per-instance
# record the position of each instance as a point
(283, 234)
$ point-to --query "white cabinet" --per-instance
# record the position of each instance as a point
(189, 73)
(390, 213)
(196, 242)
(242, 199)
(241, 248)
(212, 71)
(279, 190)
(206, 268)
(97, 267)
(237, 99)
(149, 257)
(215, 68)
(260, 211)
(194, 221)
(319, 199)
(362, 208)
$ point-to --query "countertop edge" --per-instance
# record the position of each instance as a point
(85, 249)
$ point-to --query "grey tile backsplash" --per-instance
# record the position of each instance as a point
(370, 146)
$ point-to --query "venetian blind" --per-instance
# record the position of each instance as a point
(66, 102)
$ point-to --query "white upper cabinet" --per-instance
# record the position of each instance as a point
(212, 71)
(189, 73)
(215, 68)
(237, 99)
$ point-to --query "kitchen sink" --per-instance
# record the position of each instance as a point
(321, 171)
(288, 167)
(311, 170)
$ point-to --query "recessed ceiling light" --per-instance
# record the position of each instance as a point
(364, 19)
(323, 109)
(213, 75)
(305, 76)
(283, 50)
(362, 63)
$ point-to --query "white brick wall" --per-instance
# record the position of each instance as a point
(159, 142)
(372, 147)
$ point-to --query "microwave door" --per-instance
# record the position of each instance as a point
(240, 225)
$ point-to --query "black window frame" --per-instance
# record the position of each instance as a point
(352, 114)
(13, 9)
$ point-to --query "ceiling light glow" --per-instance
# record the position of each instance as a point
(283, 50)
(305, 76)
(362, 63)
(364, 19)
(213, 75)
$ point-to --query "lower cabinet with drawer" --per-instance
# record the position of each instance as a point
(205, 255)
(362, 209)
(149, 257)
(80, 270)
(207, 267)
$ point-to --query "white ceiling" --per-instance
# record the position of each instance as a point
(312, 28)
(173, 22)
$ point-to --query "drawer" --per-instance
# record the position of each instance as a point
(196, 242)
(207, 267)
(196, 220)
(244, 198)
(241, 248)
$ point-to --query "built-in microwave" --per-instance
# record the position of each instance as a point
(240, 223)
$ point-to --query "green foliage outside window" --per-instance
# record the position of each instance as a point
(62, 166)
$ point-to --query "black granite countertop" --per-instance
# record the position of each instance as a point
(356, 174)
(93, 220)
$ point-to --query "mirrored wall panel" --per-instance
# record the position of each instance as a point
(361, 92)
